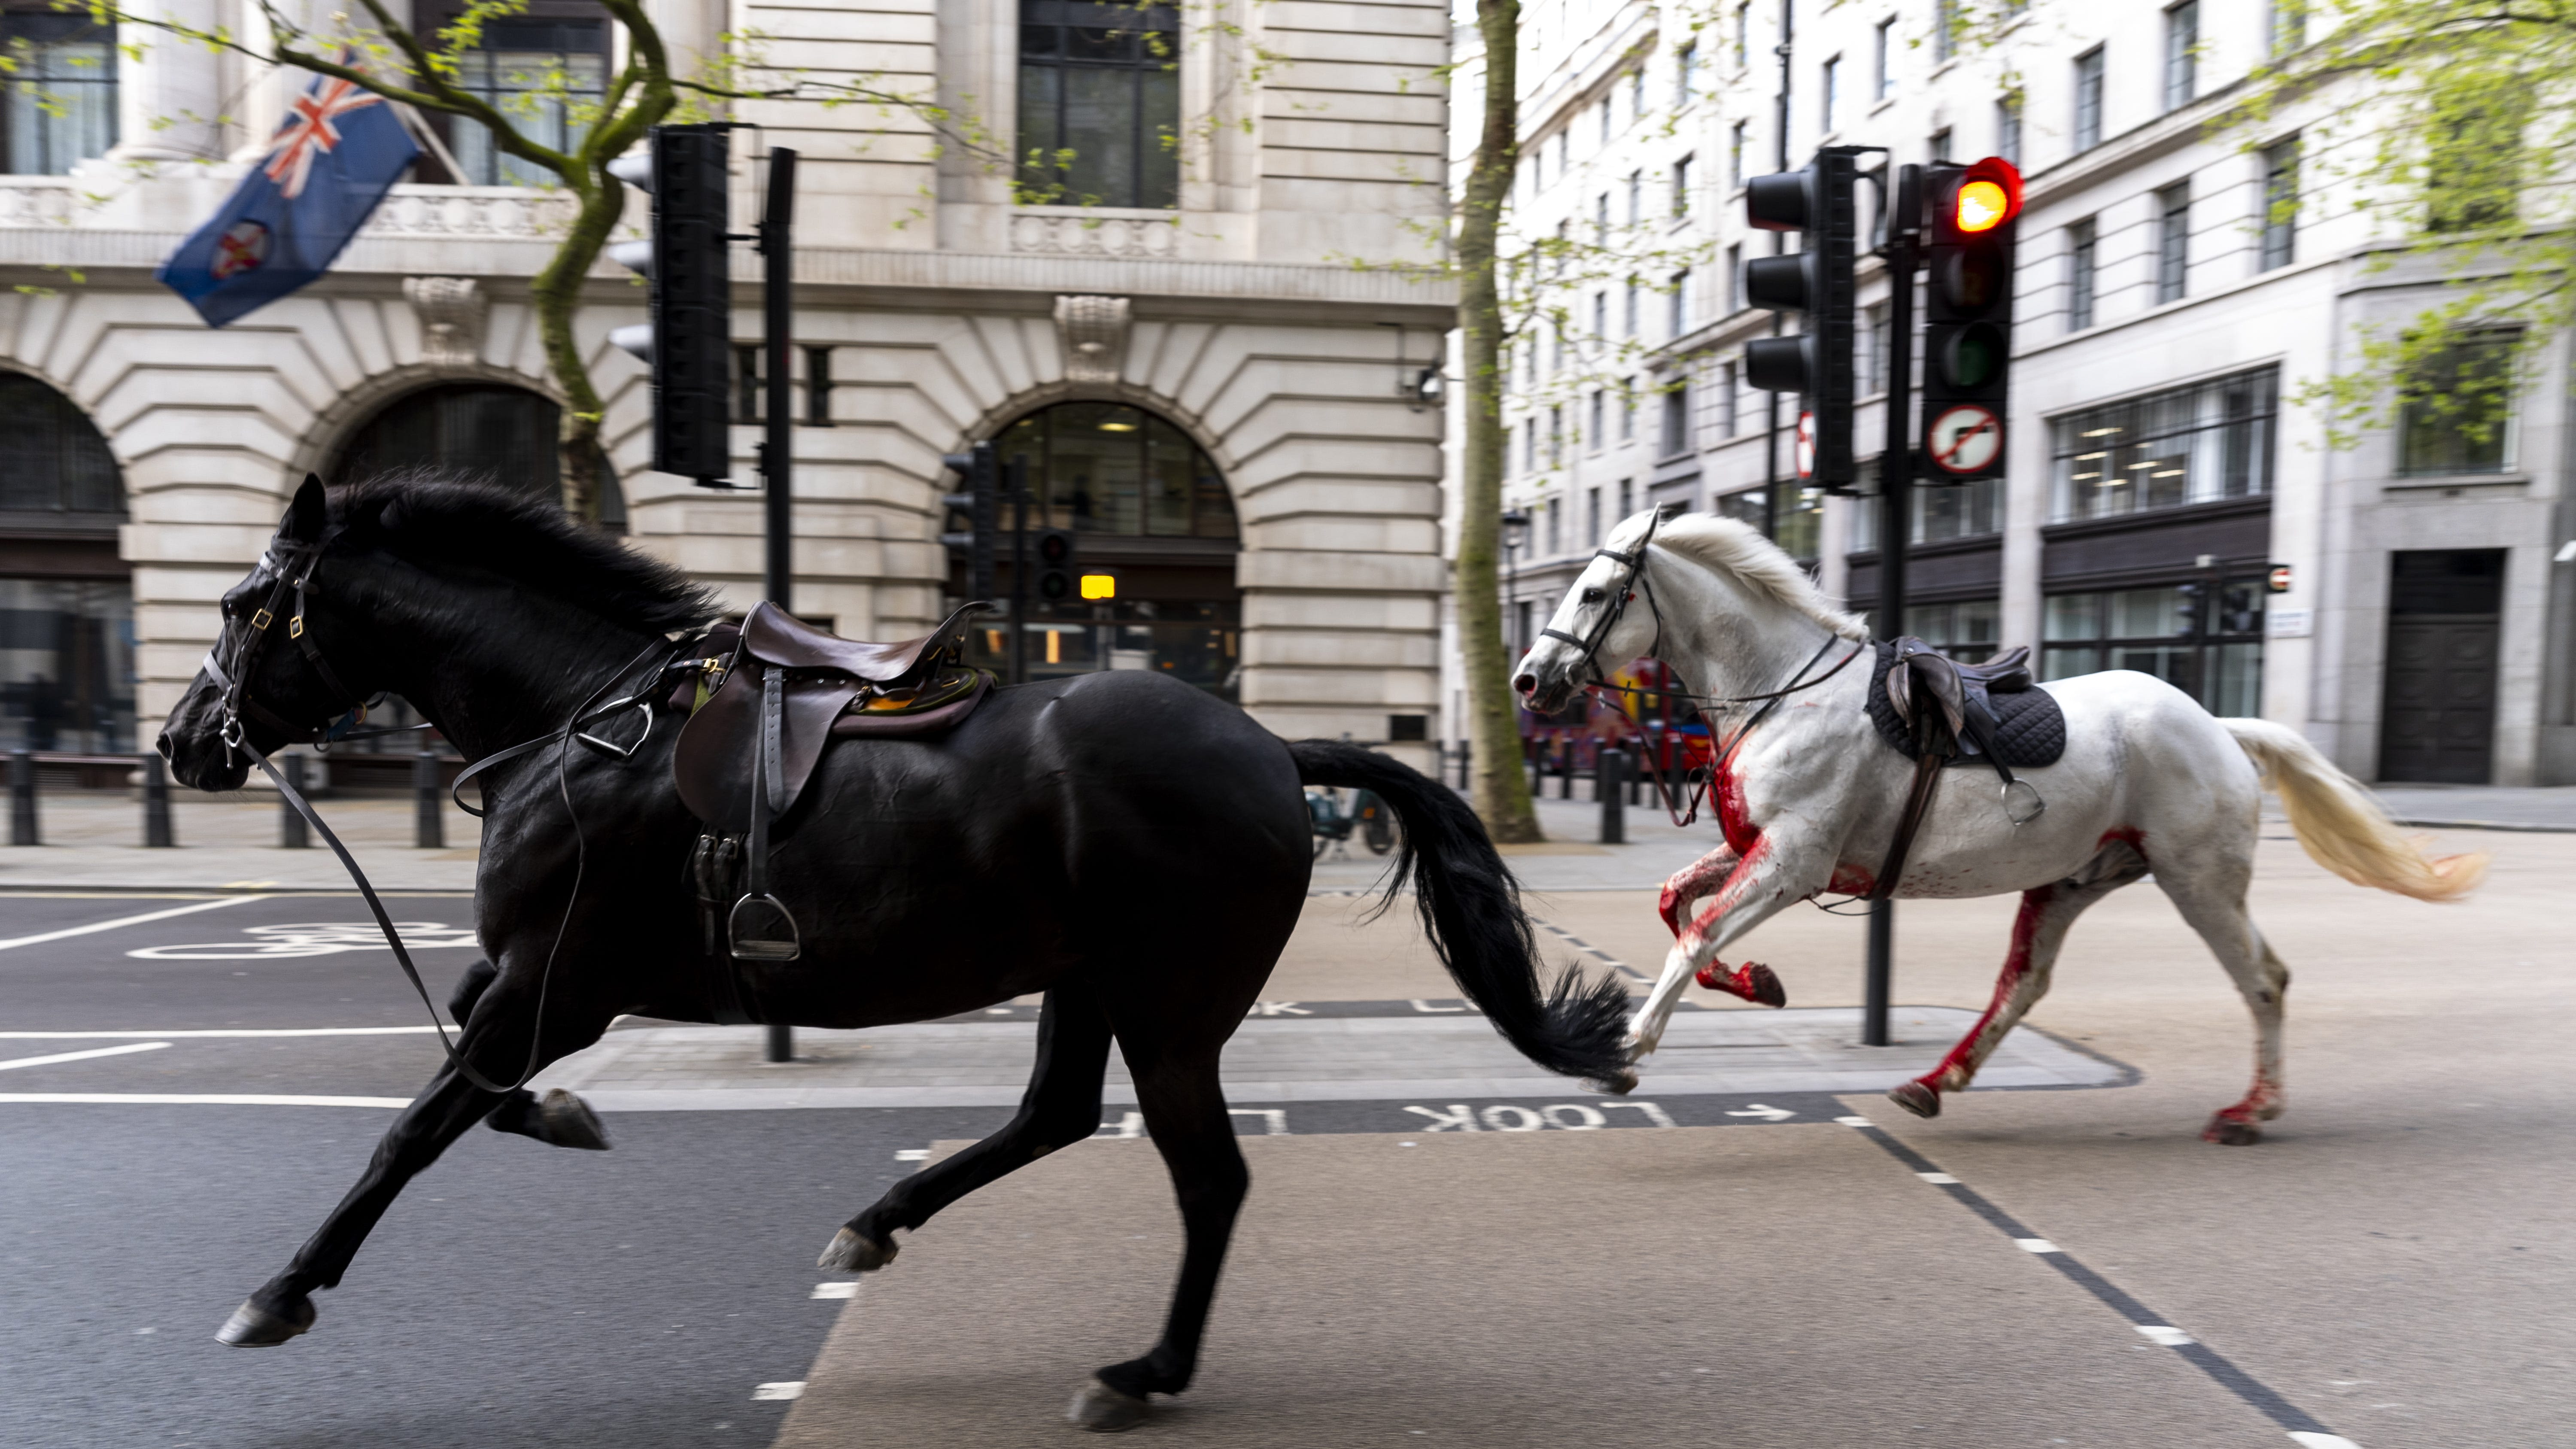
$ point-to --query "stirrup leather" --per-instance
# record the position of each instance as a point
(754, 939)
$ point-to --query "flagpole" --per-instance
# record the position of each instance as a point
(422, 131)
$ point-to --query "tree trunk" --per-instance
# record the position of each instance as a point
(1502, 794)
(556, 294)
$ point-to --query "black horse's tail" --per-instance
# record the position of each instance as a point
(1471, 910)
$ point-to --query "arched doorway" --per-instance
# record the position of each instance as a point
(489, 431)
(66, 595)
(1147, 506)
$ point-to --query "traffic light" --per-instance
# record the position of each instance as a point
(981, 502)
(1973, 212)
(1816, 282)
(1059, 578)
(689, 342)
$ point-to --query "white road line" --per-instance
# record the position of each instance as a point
(278, 1031)
(198, 1099)
(790, 1389)
(2164, 1334)
(1937, 1179)
(2037, 1245)
(96, 926)
(2322, 1441)
(115, 1051)
(849, 1289)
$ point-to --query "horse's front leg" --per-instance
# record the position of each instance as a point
(1693, 884)
(495, 1041)
(1781, 868)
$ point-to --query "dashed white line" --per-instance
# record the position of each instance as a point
(912, 1154)
(225, 1032)
(197, 1099)
(849, 1289)
(2037, 1245)
(114, 1051)
(2164, 1334)
(2322, 1441)
(784, 1389)
(96, 926)
(1937, 1179)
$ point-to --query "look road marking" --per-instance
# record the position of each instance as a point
(197, 1099)
(96, 926)
(114, 1051)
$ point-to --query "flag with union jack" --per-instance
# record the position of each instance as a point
(340, 149)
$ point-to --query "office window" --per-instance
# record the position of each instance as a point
(2088, 99)
(2280, 204)
(1945, 30)
(1727, 421)
(1605, 121)
(1636, 197)
(1555, 527)
(1102, 83)
(2008, 128)
(1600, 315)
(1682, 187)
(1592, 515)
(1556, 436)
(2173, 241)
(1939, 145)
(1974, 509)
(749, 387)
(1555, 348)
(1529, 447)
(1627, 428)
(1873, 348)
(1676, 438)
(1830, 96)
(1595, 435)
(2182, 54)
(2458, 413)
(1685, 74)
(1628, 325)
(1601, 220)
(2079, 275)
(549, 76)
(1884, 77)
(62, 90)
(1735, 155)
(1627, 497)
(2195, 444)
(1681, 302)
(1743, 35)
(818, 387)
(2285, 26)
(1637, 92)
(1734, 279)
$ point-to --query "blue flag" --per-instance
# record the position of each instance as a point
(341, 149)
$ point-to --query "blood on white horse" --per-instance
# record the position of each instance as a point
(1809, 800)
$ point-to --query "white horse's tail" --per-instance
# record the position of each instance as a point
(2341, 826)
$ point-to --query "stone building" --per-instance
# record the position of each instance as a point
(2179, 277)
(1198, 346)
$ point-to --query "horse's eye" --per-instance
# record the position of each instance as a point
(1593, 596)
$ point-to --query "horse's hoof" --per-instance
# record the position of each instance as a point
(2227, 1131)
(851, 1252)
(1761, 987)
(1918, 1099)
(1103, 1410)
(1619, 1083)
(564, 1120)
(252, 1326)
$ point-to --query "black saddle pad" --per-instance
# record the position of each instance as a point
(2030, 730)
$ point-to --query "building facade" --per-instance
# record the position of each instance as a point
(1185, 321)
(2179, 282)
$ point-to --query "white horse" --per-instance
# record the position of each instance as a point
(1809, 800)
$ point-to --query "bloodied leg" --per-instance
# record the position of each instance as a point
(1779, 868)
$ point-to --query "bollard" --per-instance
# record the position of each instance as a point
(1466, 765)
(1565, 771)
(1611, 771)
(782, 1043)
(156, 805)
(290, 821)
(431, 832)
(22, 798)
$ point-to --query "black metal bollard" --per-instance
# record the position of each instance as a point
(290, 821)
(1565, 772)
(157, 834)
(22, 798)
(431, 831)
(782, 1043)
(1466, 765)
(1611, 772)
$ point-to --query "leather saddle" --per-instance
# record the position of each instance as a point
(786, 691)
(1938, 711)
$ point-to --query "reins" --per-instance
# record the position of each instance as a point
(235, 685)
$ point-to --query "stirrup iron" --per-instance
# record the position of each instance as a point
(750, 941)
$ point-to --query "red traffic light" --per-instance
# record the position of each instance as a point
(1987, 196)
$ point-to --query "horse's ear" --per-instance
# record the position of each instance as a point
(308, 514)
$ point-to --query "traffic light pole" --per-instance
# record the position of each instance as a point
(778, 446)
(1779, 244)
(1895, 529)
(1019, 476)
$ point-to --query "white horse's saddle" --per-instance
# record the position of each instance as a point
(1989, 711)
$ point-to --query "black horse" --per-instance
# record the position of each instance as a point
(1128, 845)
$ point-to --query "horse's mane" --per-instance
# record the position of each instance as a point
(1761, 566)
(432, 518)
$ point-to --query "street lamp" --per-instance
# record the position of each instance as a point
(1516, 527)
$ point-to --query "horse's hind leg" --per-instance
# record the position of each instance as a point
(2213, 903)
(1061, 1107)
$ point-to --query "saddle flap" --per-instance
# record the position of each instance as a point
(712, 763)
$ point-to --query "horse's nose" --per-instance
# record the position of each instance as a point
(1526, 683)
(161, 742)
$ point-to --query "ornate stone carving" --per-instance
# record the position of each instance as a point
(1085, 234)
(1094, 333)
(451, 318)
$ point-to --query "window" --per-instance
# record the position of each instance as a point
(2280, 204)
(2458, 409)
(53, 462)
(2195, 444)
(2079, 275)
(1873, 349)
(1680, 320)
(2214, 655)
(1555, 527)
(1628, 327)
(1529, 447)
(1601, 220)
(1830, 96)
(1627, 496)
(1743, 35)
(1969, 631)
(1595, 435)
(1735, 155)
(1555, 348)
(1939, 145)
(1600, 315)
(1627, 427)
(1681, 188)
(1564, 152)
(1883, 75)
(62, 92)
(1636, 197)
(2473, 178)
(548, 76)
(749, 387)
(1727, 421)
(2173, 241)
(1605, 122)
(818, 387)
(2182, 54)
(2285, 26)
(1102, 82)
(1556, 436)
(1592, 513)
(1974, 509)
(1734, 279)
(2008, 128)
(1945, 30)
(1637, 92)
(1685, 74)
(2088, 99)
(1676, 436)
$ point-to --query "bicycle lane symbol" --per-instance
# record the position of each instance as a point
(315, 938)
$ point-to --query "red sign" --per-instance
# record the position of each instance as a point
(1806, 445)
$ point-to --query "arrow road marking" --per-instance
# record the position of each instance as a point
(1765, 1112)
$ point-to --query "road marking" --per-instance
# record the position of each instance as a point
(2250, 1391)
(912, 1154)
(1765, 1111)
(1588, 949)
(278, 1031)
(114, 1051)
(199, 1099)
(97, 926)
(787, 1389)
(849, 1289)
